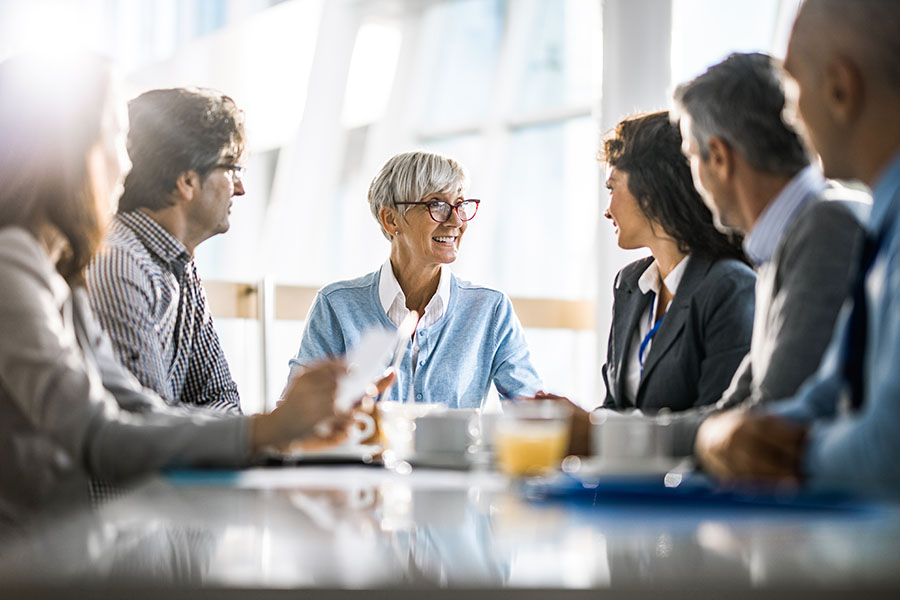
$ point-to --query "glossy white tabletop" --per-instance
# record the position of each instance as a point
(367, 528)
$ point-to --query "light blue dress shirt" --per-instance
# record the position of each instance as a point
(860, 451)
(477, 341)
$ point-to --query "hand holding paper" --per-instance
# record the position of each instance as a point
(366, 361)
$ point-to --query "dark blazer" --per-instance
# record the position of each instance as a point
(705, 334)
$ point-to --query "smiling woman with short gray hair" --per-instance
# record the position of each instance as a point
(467, 337)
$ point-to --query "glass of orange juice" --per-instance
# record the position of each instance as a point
(531, 436)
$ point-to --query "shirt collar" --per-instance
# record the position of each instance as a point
(763, 238)
(157, 240)
(388, 286)
(649, 280)
(393, 299)
(884, 193)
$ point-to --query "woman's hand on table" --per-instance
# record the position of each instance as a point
(579, 427)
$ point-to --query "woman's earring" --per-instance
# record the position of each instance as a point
(397, 232)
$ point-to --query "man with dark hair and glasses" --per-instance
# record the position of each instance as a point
(467, 336)
(186, 147)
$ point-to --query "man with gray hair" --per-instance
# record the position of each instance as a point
(754, 173)
(842, 429)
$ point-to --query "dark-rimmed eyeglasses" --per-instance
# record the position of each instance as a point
(237, 173)
(440, 209)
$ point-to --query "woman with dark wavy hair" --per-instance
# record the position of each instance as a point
(682, 317)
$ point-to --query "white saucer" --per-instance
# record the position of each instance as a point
(365, 453)
(440, 460)
(598, 465)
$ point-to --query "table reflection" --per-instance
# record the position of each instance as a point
(369, 528)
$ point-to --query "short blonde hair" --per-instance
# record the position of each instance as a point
(410, 177)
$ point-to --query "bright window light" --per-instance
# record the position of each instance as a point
(704, 32)
(49, 28)
(371, 75)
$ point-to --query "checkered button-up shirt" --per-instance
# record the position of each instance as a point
(145, 291)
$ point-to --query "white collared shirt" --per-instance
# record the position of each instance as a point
(649, 282)
(393, 301)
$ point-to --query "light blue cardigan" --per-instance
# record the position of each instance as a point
(478, 340)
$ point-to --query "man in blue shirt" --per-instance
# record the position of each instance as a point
(842, 429)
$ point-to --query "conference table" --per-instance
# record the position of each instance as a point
(351, 530)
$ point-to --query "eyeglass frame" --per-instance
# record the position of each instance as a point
(453, 208)
(237, 172)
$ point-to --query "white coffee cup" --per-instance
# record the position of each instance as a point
(625, 438)
(481, 428)
(442, 432)
(363, 428)
(397, 421)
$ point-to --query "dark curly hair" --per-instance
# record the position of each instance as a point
(172, 131)
(648, 148)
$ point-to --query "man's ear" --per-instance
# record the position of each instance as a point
(186, 185)
(721, 157)
(844, 90)
(390, 220)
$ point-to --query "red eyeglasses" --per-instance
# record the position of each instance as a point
(440, 209)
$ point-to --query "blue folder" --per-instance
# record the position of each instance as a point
(692, 490)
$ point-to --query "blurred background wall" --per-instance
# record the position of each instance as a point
(520, 91)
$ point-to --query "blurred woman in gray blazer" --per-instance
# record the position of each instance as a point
(69, 411)
(682, 317)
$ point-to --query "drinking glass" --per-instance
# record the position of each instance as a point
(531, 436)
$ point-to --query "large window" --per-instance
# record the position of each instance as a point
(705, 31)
(332, 88)
(508, 89)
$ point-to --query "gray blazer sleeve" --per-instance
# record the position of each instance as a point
(121, 383)
(55, 384)
(685, 424)
(814, 266)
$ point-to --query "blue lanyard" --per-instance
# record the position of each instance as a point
(646, 341)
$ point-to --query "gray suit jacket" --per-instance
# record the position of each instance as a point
(68, 410)
(705, 334)
(798, 296)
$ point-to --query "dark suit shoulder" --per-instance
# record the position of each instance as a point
(731, 267)
(725, 277)
(824, 228)
(831, 211)
(629, 275)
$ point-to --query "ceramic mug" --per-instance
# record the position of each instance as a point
(397, 423)
(442, 432)
(618, 437)
(360, 430)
